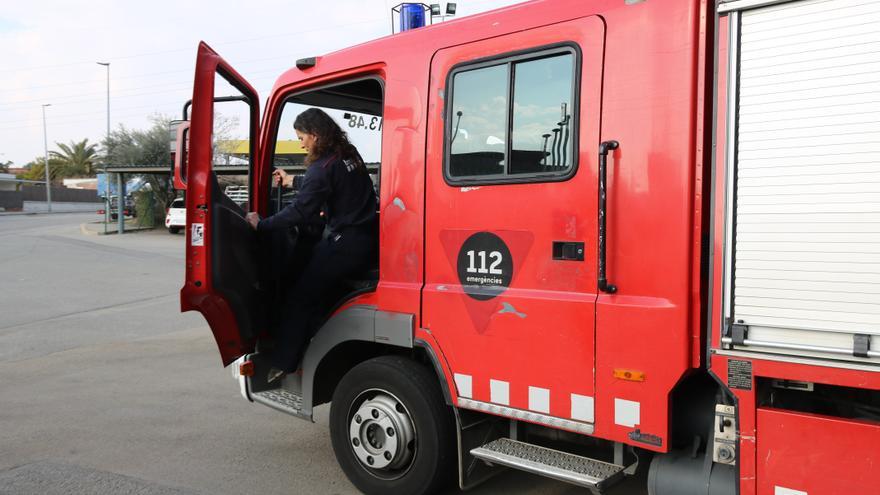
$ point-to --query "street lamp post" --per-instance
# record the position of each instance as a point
(107, 65)
(106, 150)
(46, 151)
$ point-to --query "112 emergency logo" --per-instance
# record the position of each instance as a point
(485, 266)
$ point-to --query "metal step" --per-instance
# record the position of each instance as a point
(280, 399)
(561, 466)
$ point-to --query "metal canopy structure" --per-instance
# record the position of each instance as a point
(222, 169)
(136, 169)
(289, 155)
(165, 169)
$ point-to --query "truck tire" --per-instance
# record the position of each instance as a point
(390, 428)
(173, 230)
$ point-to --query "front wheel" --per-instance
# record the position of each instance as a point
(391, 430)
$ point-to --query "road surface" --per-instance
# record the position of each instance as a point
(108, 389)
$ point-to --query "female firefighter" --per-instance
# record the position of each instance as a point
(337, 179)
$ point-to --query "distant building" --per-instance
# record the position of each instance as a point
(7, 182)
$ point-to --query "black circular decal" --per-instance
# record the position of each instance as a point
(485, 266)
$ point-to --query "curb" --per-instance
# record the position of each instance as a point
(83, 227)
(22, 213)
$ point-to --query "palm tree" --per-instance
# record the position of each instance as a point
(77, 159)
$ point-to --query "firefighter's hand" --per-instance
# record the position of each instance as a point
(253, 218)
(282, 178)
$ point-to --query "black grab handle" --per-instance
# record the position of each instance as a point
(278, 196)
(604, 148)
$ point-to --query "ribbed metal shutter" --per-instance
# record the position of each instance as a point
(807, 246)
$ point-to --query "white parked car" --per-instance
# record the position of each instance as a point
(175, 216)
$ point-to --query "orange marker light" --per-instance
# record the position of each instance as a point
(629, 375)
(246, 368)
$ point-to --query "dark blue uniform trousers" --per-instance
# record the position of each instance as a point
(334, 258)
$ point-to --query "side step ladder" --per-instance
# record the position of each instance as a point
(583, 471)
(280, 399)
(286, 397)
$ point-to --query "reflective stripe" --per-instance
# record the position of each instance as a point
(627, 413)
(499, 392)
(463, 384)
(539, 399)
(582, 408)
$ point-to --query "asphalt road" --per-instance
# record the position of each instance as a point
(107, 388)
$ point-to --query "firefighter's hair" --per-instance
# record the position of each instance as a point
(330, 139)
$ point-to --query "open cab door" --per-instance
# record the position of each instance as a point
(222, 272)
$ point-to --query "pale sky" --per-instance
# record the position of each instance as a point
(50, 49)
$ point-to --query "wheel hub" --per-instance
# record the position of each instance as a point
(381, 432)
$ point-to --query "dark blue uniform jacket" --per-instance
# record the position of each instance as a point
(346, 190)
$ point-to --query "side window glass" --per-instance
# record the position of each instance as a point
(184, 159)
(364, 131)
(513, 120)
(542, 139)
(231, 142)
(479, 122)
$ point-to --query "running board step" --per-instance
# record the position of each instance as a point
(280, 399)
(582, 471)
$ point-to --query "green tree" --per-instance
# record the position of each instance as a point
(144, 147)
(78, 159)
(139, 147)
(151, 147)
(4, 167)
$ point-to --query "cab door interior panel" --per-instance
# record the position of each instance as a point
(235, 267)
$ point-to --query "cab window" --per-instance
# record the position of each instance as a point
(512, 119)
(355, 105)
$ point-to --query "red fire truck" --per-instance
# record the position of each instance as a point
(621, 240)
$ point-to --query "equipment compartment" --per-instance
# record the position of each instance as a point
(801, 454)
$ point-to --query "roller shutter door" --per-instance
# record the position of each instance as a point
(807, 216)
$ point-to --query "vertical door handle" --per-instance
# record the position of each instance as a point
(604, 148)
